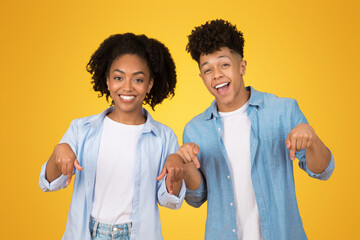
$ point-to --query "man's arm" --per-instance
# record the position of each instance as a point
(188, 152)
(196, 193)
(318, 155)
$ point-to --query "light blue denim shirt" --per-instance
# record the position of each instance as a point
(156, 142)
(271, 118)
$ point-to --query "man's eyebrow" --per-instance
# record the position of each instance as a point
(203, 64)
(222, 56)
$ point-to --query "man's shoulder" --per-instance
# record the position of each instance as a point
(273, 102)
(200, 118)
(274, 99)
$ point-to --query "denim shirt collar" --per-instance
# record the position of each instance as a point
(256, 100)
(150, 124)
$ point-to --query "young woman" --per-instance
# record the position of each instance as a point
(117, 154)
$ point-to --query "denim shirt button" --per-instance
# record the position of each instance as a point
(219, 129)
(233, 230)
(231, 204)
(228, 177)
(115, 229)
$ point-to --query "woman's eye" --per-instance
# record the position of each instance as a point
(138, 80)
(117, 78)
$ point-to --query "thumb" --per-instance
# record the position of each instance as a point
(162, 174)
(77, 165)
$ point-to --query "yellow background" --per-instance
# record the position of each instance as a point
(308, 50)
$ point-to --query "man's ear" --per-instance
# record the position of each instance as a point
(243, 65)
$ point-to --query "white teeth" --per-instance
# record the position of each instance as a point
(127, 97)
(221, 85)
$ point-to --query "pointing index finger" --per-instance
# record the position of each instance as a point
(69, 173)
(170, 180)
(292, 149)
(196, 162)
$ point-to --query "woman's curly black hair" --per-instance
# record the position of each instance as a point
(155, 54)
(213, 35)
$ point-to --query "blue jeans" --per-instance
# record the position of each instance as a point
(102, 231)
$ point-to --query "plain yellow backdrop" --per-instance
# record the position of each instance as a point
(308, 50)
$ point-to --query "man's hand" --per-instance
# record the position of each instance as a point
(188, 152)
(301, 137)
(175, 170)
(65, 160)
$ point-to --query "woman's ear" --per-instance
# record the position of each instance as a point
(151, 83)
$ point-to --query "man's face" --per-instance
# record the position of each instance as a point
(222, 73)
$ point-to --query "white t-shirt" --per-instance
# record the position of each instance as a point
(236, 137)
(114, 184)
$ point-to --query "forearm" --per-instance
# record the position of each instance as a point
(176, 188)
(317, 156)
(52, 172)
(192, 178)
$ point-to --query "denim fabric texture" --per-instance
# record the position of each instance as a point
(272, 177)
(101, 231)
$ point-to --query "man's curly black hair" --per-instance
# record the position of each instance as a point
(155, 54)
(213, 35)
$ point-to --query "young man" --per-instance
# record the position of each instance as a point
(245, 144)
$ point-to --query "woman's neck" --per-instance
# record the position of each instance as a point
(129, 118)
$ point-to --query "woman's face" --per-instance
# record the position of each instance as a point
(129, 82)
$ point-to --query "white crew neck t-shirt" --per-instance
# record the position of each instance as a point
(114, 184)
(236, 137)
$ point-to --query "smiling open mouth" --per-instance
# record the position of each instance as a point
(127, 98)
(222, 87)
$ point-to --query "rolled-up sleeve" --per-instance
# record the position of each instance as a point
(71, 138)
(197, 197)
(298, 117)
(55, 185)
(325, 175)
(168, 200)
(165, 199)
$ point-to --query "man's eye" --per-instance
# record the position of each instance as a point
(225, 65)
(207, 71)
